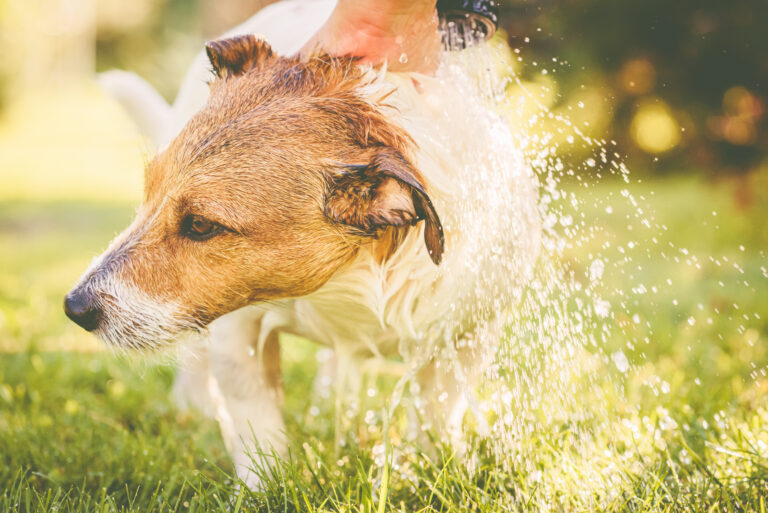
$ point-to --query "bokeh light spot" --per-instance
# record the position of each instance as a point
(654, 127)
(637, 76)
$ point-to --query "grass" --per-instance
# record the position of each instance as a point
(685, 428)
(82, 430)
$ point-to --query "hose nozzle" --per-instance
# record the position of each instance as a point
(465, 23)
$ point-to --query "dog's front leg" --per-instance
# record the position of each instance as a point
(247, 390)
(447, 386)
(191, 388)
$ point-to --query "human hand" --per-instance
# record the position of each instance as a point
(402, 33)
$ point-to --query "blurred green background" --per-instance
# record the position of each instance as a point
(681, 86)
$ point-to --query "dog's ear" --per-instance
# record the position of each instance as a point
(385, 192)
(236, 55)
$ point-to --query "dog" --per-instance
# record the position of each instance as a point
(380, 214)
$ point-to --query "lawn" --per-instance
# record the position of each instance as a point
(666, 412)
(684, 428)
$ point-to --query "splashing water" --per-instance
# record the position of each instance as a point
(554, 395)
(560, 339)
(540, 381)
(512, 296)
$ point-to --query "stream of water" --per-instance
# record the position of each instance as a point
(574, 310)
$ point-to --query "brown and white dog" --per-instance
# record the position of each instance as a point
(377, 213)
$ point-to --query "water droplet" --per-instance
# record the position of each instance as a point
(620, 360)
(596, 269)
(403, 58)
(602, 308)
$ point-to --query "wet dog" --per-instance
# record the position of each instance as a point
(352, 206)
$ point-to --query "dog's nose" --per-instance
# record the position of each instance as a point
(81, 307)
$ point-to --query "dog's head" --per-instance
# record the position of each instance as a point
(285, 174)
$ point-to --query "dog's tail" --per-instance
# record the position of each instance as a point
(141, 101)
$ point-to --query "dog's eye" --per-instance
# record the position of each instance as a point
(199, 228)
